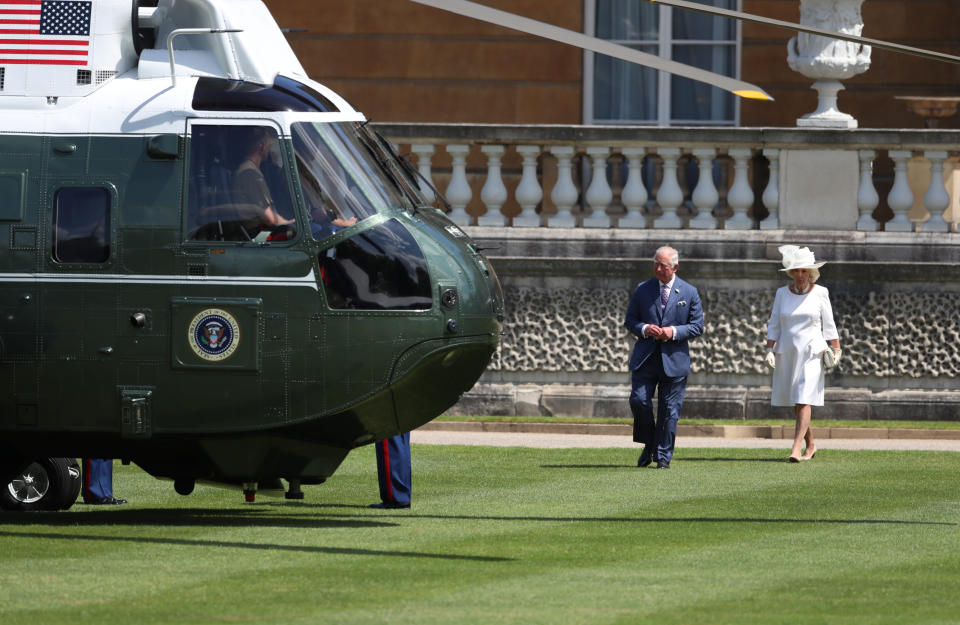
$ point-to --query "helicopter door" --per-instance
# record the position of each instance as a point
(80, 302)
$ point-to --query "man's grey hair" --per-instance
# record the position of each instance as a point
(673, 254)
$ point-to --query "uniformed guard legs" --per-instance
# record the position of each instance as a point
(394, 471)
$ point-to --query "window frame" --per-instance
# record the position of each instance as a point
(292, 192)
(111, 221)
(665, 43)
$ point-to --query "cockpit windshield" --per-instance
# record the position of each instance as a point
(341, 181)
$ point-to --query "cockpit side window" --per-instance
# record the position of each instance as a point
(382, 268)
(81, 225)
(238, 188)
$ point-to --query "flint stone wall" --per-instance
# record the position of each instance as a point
(564, 349)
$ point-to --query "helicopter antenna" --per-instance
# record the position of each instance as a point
(569, 37)
(749, 17)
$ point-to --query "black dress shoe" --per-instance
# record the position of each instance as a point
(106, 501)
(661, 464)
(646, 458)
(390, 505)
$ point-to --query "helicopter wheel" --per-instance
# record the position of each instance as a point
(46, 484)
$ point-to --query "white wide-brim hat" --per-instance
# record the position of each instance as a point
(798, 258)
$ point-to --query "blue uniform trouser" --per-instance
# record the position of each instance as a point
(393, 468)
(661, 432)
(97, 478)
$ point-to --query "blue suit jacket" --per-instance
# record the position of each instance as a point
(683, 312)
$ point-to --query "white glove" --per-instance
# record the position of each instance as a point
(831, 358)
(770, 359)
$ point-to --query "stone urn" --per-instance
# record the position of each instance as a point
(826, 60)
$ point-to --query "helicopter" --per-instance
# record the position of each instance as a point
(213, 267)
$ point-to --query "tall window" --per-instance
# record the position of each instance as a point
(621, 92)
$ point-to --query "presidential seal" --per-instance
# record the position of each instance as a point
(214, 334)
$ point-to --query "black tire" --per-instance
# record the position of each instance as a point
(72, 491)
(45, 484)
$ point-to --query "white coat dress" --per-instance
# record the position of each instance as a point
(801, 325)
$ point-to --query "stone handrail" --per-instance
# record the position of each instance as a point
(689, 178)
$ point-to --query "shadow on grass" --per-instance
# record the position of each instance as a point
(183, 542)
(574, 519)
(182, 517)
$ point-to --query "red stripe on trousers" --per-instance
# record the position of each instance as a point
(386, 470)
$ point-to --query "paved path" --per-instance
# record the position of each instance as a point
(518, 439)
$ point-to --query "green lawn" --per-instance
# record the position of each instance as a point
(510, 535)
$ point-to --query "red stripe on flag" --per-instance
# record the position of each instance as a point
(41, 62)
(35, 22)
(29, 51)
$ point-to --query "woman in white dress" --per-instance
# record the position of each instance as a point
(800, 327)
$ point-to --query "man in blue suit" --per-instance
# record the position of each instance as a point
(664, 314)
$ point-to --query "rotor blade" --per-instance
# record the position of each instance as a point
(569, 37)
(749, 17)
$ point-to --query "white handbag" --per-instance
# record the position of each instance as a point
(831, 358)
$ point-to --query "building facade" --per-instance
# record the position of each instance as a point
(402, 62)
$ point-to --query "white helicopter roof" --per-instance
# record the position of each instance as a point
(71, 66)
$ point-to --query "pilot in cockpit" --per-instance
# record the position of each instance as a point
(250, 189)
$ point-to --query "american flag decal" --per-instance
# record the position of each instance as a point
(45, 32)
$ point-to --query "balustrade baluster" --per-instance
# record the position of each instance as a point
(528, 192)
(564, 193)
(867, 197)
(424, 152)
(740, 196)
(771, 195)
(494, 192)
(901, 197)
(936, 199)
(599, 195)
(705, 195)
(458, 192)
(669, 195)
(634, 195)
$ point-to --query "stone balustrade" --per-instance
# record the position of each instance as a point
(689, 178)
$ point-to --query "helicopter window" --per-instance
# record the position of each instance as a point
(238, 188)
(81, 225)
(381, 268)
(286, 94)
(341, 181)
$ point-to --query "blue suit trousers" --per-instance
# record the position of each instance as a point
(661, 431)
(97, 479)
(393, 468)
